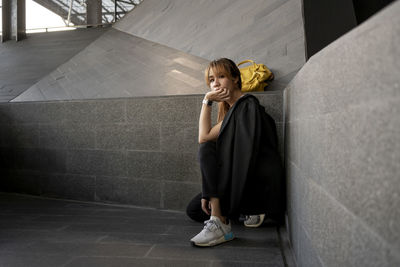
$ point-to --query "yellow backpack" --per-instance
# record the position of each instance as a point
(254, 77)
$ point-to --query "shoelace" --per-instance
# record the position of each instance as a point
(209, 223)
(252, 219)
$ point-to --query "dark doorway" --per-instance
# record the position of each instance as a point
(327, 20)
(366, 8)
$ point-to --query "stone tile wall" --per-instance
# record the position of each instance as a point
(343, 149)
(138, 151)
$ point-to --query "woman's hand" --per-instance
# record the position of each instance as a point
(206, 206)
(218, 95)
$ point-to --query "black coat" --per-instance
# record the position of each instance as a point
(250, 168)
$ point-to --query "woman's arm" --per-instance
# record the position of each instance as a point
(206, 131)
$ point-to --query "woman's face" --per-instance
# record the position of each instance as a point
(220, 81)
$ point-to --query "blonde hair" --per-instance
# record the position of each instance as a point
(229, 69)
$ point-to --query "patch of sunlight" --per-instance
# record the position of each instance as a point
(40, 19)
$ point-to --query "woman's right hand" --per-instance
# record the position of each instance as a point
(205, 206)
(218, 95)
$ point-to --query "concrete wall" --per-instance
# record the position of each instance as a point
(139, 151)
(270, 32)
(343, 149)
(155, 50)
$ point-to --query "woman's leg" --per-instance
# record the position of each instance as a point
(209, 171)
(216, 209)
(194, 210)
(216, 230)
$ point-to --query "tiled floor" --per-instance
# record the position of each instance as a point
(46, 232)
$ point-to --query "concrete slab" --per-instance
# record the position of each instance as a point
(46, 232)
(119, 65)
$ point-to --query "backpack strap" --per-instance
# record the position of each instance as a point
(246, 61)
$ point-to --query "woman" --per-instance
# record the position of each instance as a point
(239, 161)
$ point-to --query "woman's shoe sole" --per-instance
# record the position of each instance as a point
(227, 237)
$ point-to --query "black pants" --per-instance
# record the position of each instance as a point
(194, 210)
(208, 166)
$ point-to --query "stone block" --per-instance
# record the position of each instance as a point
(6, 158)
(25, 135)
(27, 159)
(143, 137)
(164, 165)
(52, 160)
(281, 142)
(52, 112)
(363, 79)
(312, 147)
(292, 142)
(145, 164)
(5, 114)
(37, 112)
(128, 137)
(143, 110)
(46, 160)
(70, 186)
(52, 136)
(363, 142)
(80, 135)
(96, 162)
(164, 109)
(393, 258)
(176, 137)
(25, 182)
(177, 195)
(273, 103)
(111, 111)
(367, 248)
(84, 111)
(330, 229)
(128, 191)
(307, 255)
(111, 136)
(295, 187)
(25, 112)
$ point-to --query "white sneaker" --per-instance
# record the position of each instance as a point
(214, 232)
(254, 220)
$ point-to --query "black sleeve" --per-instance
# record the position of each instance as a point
(246, 139)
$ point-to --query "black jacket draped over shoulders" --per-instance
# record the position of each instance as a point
(249, 165)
